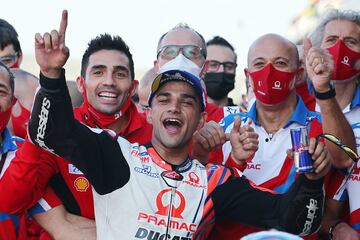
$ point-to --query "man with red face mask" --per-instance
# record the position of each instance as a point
(339, 33)
(11, 55)
(273, 71)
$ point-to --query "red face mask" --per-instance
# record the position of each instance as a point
(99, 119)
(4, 119)
(16, 64)
(344, 61)
(271, 86)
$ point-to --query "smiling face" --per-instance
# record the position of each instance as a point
(175, 114)
(108, 81)
(6, 95)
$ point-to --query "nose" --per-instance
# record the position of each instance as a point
(174, 106)
(221, 68)
(108, 80)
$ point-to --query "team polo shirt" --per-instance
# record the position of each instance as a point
(71, 185)
(347, 187)
(269, 167)
(216, 112)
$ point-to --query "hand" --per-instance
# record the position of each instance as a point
(344, 232)
(319, 66)
(51, 52)
(321, 157)
(244, 142)
(207, 139)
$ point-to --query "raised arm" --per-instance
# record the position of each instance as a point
(54, 128)
(319, 66)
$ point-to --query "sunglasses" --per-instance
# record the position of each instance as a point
(350, 152)
(189, 51)
(9, 59)
(332, 138)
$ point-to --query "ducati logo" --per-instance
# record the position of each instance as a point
(178, 203)
(345, 60)
(194, 178)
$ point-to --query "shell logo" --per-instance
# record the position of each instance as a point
(81, 184)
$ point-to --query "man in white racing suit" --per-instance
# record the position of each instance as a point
(158, 191)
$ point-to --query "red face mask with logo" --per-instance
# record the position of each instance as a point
(94, 117)
(4, 119)
(271, 86)
(344, 61)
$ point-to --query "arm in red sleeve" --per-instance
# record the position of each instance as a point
(25, 180)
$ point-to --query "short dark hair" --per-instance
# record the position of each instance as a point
(217, 40)
(8, 35)
(107, 42)
(11, 77)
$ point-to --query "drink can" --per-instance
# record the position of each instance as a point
(300, 145)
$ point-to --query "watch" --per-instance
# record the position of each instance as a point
(332, 228)
(325, 95)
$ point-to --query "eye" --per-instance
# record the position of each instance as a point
(187, 102)
(258, 64)
(281, 63)
(97, 73)
(121, 74)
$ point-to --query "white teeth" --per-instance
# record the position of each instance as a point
(172, 120)
(107, 94)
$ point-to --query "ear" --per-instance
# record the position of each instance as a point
(299, 77)
(246, 72)
(148, 112)
(202, 121)
(156, 66)
(135, 84)
(80, 83)
(204, 70)
(20, 58)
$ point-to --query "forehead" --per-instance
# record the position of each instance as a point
(9, 49)
(178, 87)
(181, 37)
(220, 53)
(271, 47)
(342, 28)
(108, 58)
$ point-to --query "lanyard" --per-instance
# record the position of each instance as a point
(2, 162)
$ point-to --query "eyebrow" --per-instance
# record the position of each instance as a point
(182, 95)
(118, 67)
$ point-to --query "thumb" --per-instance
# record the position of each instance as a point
(237, 124)
(227, 136)
(290, 153)
(307, 45)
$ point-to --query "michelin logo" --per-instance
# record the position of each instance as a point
(146, 170)
(312, 207)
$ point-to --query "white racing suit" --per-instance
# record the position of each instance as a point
(140, 196)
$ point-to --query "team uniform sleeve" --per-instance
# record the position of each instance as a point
(298, 211)
(54, 128)
(19, 185)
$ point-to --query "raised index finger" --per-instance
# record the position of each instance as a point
(63, 25)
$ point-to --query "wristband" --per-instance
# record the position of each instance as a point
(325, 95)
(332, 228)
